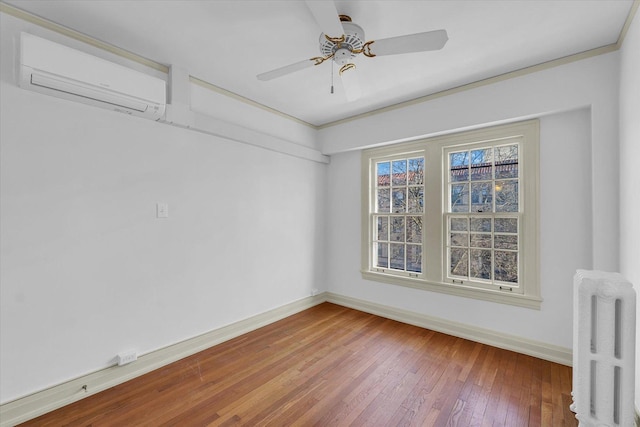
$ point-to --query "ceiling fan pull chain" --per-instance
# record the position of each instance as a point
(331, 77)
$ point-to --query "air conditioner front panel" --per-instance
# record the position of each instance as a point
(58, 70)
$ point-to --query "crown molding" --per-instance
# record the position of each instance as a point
(76, 35)
(627, 23)
(479, 83)
(228, 93)
(84, 38)
(21, 14)
(506, 76)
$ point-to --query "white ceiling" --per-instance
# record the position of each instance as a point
(227, 43)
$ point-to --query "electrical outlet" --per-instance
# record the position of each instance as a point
(126, 357)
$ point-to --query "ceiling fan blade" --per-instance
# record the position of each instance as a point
(287, 69)
(419, 42)
(326, 15)
(351, 84)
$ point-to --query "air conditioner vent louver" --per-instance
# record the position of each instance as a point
(60, 71)
(88, 92)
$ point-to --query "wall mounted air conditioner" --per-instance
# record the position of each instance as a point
(61, 71)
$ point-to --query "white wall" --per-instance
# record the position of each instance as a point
(577, 103)
(565, 240)
(87, 269)
(589, 83)
(629, 171)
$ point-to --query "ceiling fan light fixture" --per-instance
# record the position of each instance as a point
(343, 56)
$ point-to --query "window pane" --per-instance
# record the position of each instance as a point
(480, 240)
(383, 228)
(481, 224)
(399, 200)
(458, 262)
(416, 171)
(397, 229)
(507, 196)
(383, 200)
(481, 197)
(399, 172)
(481, 164)
(459, 166)
(416, 199)
(480, 264)
(414, 229)
(459, 239)
(460, 198)
(507, 161)
(458, 224)
(506, 242)
(383, 175)
(506, 266)
(397, 256)
(414, 258)
(383, 255)
(506, 225)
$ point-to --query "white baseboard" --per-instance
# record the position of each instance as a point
(34, 405)
(44, 401)
(515, 343)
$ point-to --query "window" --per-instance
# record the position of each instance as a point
(456, 214)
(482, 214)
(399, 193)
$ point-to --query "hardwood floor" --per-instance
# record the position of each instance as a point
(334, 366)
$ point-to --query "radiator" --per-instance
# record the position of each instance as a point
(604, 325)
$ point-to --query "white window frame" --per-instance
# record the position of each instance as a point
(434, 275)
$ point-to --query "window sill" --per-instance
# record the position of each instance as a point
(500, 297)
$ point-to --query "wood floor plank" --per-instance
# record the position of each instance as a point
(471, 393)
(418, 403)
(335, 366)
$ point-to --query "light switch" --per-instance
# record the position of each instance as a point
(162, 210)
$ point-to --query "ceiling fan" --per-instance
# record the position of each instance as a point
(341, 40)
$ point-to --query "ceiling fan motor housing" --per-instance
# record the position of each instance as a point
(342, 51)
